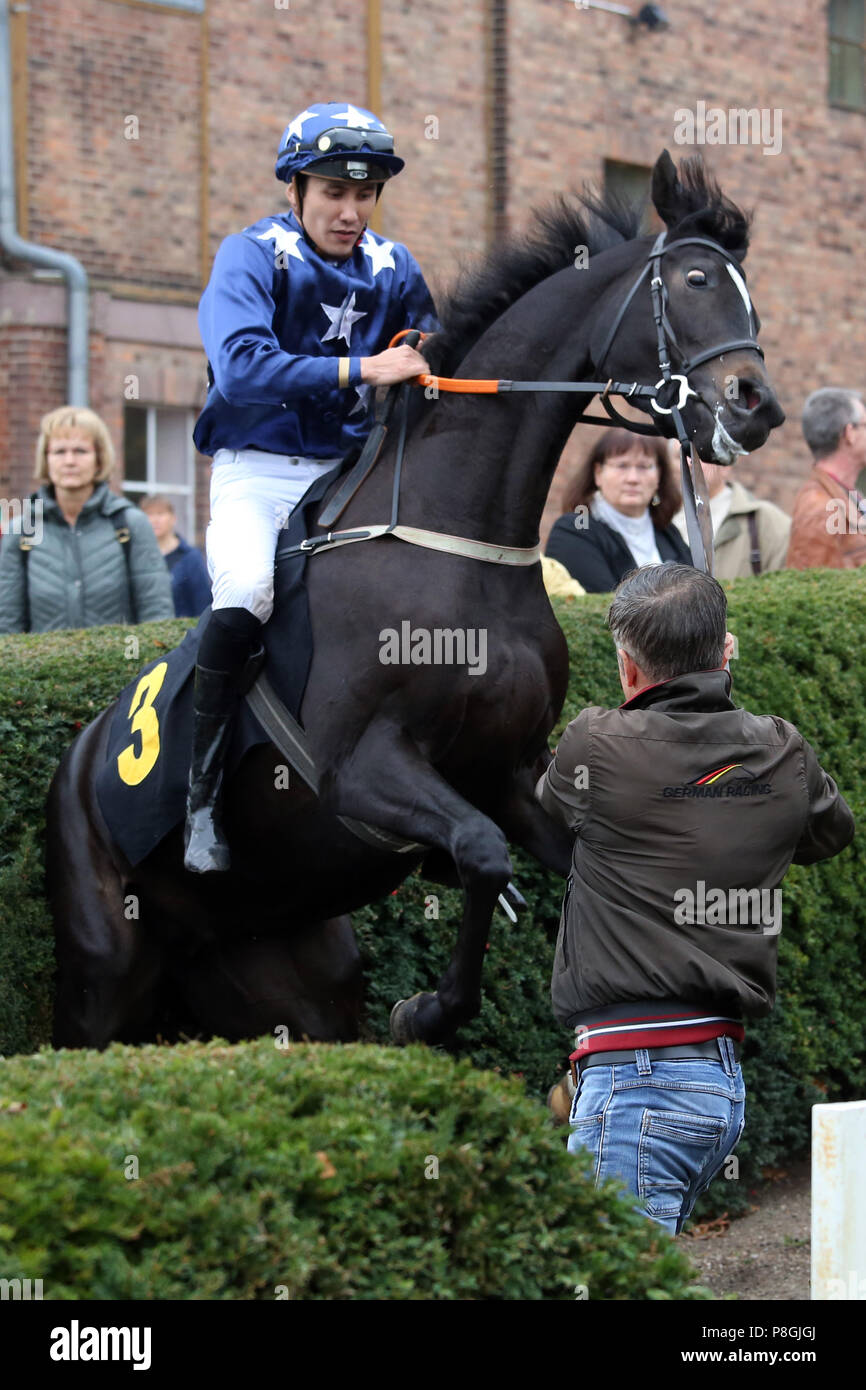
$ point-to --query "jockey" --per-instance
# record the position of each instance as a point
(296, 321)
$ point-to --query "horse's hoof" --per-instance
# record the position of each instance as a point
(407, 1027)
(401, 1022)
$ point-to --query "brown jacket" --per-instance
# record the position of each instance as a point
(678, 788)
(827, 530)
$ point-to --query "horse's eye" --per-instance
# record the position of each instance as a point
(697, 277)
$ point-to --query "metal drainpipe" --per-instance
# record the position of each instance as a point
(16, 247)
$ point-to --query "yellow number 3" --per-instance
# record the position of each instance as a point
(134, 766)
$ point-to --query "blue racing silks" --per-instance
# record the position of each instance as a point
(275, 318)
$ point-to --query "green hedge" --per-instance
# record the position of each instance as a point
(801, 656)
(248, 1172)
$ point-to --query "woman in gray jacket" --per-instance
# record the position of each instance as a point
(86, 557)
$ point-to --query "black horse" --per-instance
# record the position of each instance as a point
(443, 756)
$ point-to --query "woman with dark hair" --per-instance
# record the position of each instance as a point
(619, 509)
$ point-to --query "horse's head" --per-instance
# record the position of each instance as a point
(708, 323)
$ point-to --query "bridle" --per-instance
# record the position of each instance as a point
(695, 506)
(667, 397)
(666, 337)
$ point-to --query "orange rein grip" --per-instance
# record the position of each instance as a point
(402, 334)
(447, 383)
(457, 384)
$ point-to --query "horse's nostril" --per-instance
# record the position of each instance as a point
(750, 396)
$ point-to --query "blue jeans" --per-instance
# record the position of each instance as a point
(664, 1128)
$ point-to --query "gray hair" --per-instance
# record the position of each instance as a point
(671, 619)
(825, 415)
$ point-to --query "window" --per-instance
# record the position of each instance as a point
(159, 457)
(631, 182)
(847, 52)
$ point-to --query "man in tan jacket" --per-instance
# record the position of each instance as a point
(828, 529)
(750, 535)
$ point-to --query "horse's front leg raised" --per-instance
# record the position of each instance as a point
(528, 825)
(387, 782)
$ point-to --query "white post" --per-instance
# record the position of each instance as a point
(839, 1201)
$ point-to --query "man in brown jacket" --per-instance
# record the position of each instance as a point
(687, 813)
(828, 529)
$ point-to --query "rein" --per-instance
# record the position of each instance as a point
(672, 388)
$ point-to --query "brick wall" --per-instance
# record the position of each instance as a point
(32, 372)
(127, 207)
(591, 88)
(583, 87)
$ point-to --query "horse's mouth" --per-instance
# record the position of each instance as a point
(727, 440)
(724, 447)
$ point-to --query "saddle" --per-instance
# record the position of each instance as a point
(141, 787)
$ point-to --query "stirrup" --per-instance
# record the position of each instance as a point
(205, 848)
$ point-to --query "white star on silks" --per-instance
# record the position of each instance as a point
(379, 253)
(284, 242)
(353, 117)
(296, 127)
(342, 318)
(362, 404)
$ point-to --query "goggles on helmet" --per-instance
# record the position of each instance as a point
(342, 138)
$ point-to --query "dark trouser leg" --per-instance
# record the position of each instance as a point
(225, 649)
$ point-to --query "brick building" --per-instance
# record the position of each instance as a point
(145, 132)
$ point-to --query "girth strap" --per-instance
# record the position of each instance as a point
(429, 540)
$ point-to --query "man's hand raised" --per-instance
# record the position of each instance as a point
(393, 365)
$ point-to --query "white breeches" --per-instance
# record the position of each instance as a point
(252, 494)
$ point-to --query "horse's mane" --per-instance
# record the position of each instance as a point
(596, 221)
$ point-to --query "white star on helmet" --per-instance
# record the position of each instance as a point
(296, 126)
(353, 117)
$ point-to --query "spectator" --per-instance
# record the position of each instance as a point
(618, 512)
(96, 560)
(750, 536)
(679, 802)
(190, 586)
(828, 528)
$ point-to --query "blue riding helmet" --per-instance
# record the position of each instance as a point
(338, 141)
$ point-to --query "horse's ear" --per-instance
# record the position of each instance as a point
(666, 190)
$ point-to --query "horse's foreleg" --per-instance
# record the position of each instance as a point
(387, 782)
(528, 825)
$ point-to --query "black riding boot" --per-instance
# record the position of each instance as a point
(224, 659)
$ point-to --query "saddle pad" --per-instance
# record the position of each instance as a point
(141, 787)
